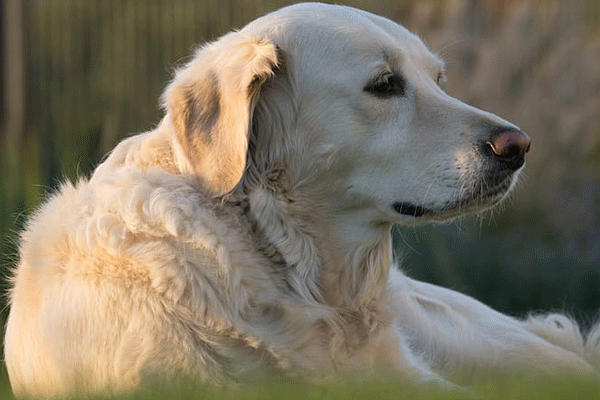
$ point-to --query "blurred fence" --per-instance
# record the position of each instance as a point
(77, 76)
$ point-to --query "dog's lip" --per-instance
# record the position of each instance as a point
(476, 201)
(410, 209)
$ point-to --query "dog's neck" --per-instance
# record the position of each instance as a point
(338, 258)
(356, 261)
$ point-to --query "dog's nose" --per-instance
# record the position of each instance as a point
(509, 147)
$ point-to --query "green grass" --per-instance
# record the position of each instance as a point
(501, 390)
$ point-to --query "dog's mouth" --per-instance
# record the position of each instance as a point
(411, 209)
(485, 195)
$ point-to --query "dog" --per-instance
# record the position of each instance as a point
(248, 234)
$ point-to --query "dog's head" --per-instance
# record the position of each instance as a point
(348, 105)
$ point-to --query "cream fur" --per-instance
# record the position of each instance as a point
(249, 233)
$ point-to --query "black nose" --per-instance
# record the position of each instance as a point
(509, 147)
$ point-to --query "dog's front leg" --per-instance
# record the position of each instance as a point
(394, 355)
(466, 340)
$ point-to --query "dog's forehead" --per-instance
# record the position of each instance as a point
(327, 27)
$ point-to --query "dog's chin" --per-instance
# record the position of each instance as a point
(483, 197)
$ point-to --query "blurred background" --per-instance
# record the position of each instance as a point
(78, 76)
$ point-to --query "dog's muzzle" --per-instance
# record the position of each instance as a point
(505, 151)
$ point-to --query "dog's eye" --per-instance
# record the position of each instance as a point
(387, 85)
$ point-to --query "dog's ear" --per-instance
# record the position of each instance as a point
(210, 104)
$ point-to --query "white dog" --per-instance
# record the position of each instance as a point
(249, 233)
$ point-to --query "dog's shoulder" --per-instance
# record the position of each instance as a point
(135, 223)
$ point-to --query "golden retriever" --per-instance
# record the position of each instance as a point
(249, 233)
